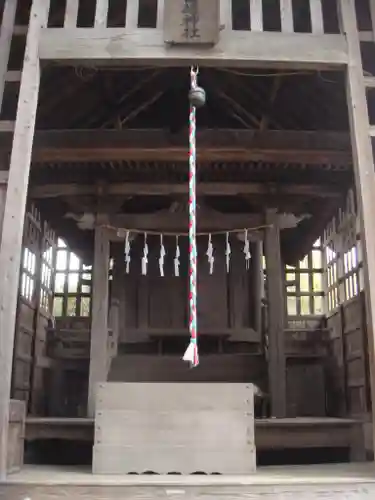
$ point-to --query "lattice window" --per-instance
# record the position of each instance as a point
(38, 260)
(331, 264)
(28, 275)
(343, 256)
(47, 266)
(72, 295)
(304, 284)
(31, 248)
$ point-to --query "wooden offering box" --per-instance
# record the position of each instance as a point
(179, 427)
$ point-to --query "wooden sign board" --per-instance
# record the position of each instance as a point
(192, 22)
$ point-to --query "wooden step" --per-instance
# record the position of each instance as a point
(6, 126)
(369, 82)
(20, 30)
(13, 76)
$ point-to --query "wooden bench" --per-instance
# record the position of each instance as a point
(301, 432)
(270, 434)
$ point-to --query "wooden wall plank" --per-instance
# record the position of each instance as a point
(225, 16)
(286, 13)
(71, 13)
(101, 13)
(256, 15)
(186, 460)
(363, 169)
(160, 15)
(15, 207)
(138, 428)
(316, 12)
(6, 32)
(99, 318)
(172, 396)
(214, 368)
(132, 13)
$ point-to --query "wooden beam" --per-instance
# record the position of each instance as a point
(99, 319)
(276, 316)
(257, 284)
(146, 46)
(279, 146)
(178, 222)
(11, 244)
(203, 189)
(363, 170)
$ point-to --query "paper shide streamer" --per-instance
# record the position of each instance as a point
(127, 252)
(177, 259)
(246, 250)
(145, 256)
(210, 254)
(228, 251)
(162, 256)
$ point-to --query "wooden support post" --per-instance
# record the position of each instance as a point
(6, 32)
(363, 169)
(99, 321)
(3, 194)
(15, 206)
(276, 316)
(286, 11)
(132, 14)
(257, 279)
(115, 305)
(71, 14)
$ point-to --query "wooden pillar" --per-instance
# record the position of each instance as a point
(6, 33)
(14, 214)
(116, 300)
(3, 194)
(99, 321)
(363, 169)
(276, 316)
(257, 278)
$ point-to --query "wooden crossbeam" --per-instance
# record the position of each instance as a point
(69, 146)
(241, 49)
(170, 189)
(179, 222)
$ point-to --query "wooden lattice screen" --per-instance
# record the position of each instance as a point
(304, 284)
(34, 311)
(72, 288)
(343, 256)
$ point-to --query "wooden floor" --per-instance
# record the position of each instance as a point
(331, 482)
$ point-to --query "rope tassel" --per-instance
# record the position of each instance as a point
(191, 353)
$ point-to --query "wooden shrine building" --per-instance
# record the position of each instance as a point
(94, 218)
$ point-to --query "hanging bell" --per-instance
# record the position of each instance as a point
(197, 97)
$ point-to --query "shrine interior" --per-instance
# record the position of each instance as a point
(108, 148)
